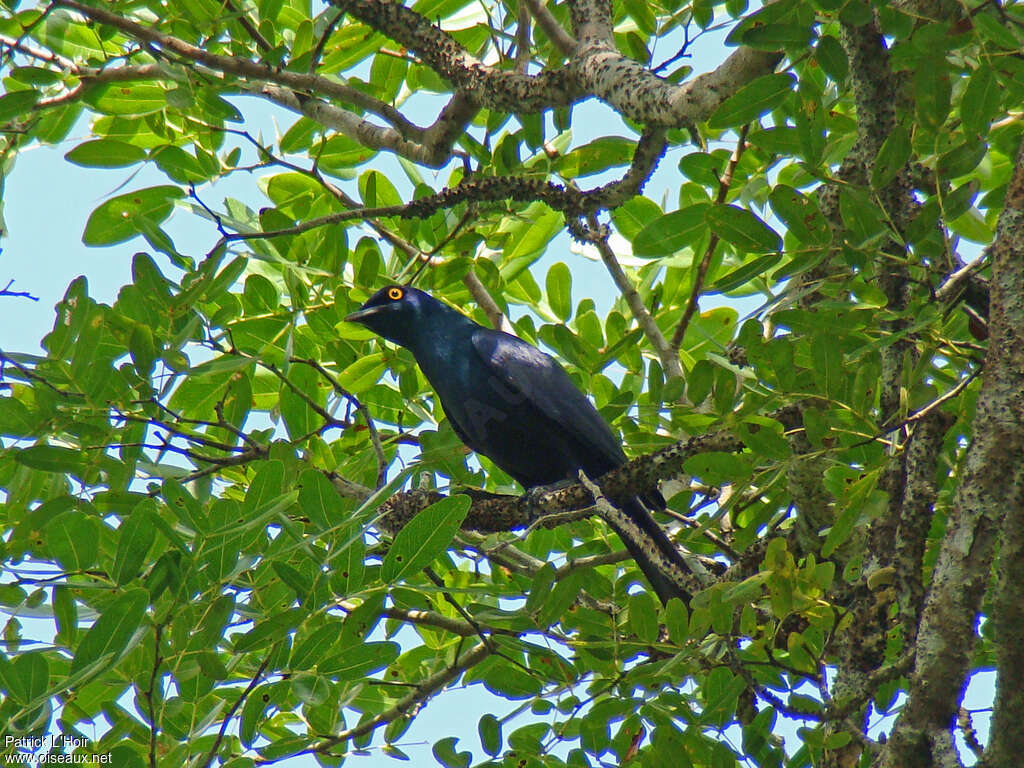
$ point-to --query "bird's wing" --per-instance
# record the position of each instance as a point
(536, 377)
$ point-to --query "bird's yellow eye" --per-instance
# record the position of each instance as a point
(395, 293)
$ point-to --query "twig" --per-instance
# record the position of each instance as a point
(154, 728)
(248, 26)
(669, 358)
(6, 291)
(424, 691)
(208, 760)
(487, 303)
(556, 33)
(523, 39)
(702, 269)
(318, 51)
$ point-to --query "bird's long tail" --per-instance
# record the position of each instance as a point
(647, 542)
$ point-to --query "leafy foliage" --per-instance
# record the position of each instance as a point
(194, 474)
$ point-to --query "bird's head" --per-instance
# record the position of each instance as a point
(397, 312)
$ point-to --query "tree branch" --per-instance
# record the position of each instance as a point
(992, 484)
(503, 90)
(556, 33)
(247, 68)
(702, 269)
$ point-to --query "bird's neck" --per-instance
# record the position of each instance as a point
(439, 334)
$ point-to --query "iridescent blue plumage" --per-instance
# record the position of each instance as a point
(514, 404)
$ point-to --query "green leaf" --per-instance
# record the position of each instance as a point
(556, 602)
(65, 613)
(35, 76)
(677, 621)
(703, 168)
(489, 729)
(363, 373)
(444, 752)
(141, 97)
(424, 538)
(559, 290)
(361, 660)
(72, 538)
(863, 220)
(112, 632)
(996, 30)
(266, 487)
(743, 229)
(311, 690)
(179, 165)
(216, 619)
(543, 580)
(123, 217)
(17, 103)
(832, 58)
(9, 681)
(753, 100)
(263, 697)
(300, 418)
(34, 671)
(742, 275)
(960, 199)
(634, 215)
(319, 499)
(15, 418)
(672, 232)
(528, 235)
(699, 381)
(717, 468)
(67, 36)
(339, 155)
(134, 538)
(377, 190)
(800, 214)
(764, 437)
(892, 157)
(980, 101)
(962, 159)
(827, 360)
(312, 649)
(860, 502)
(143, 349)
(599, 155)
(932, 93)
(27, 677)
(721, 690)
(198, 394)
(347, 561)
(387, 73)
(972, 226)
(105, 153)
(643, 617)
(214, 108)
(267, 632)
(51, 458)
(184, 505)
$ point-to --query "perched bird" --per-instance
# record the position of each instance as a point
(517, 406)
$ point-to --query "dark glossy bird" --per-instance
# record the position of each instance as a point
(517, 406)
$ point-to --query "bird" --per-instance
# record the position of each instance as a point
(516, 405)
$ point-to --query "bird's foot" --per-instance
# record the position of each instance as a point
(536, 498)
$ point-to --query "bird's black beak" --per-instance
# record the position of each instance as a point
(361, 314)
